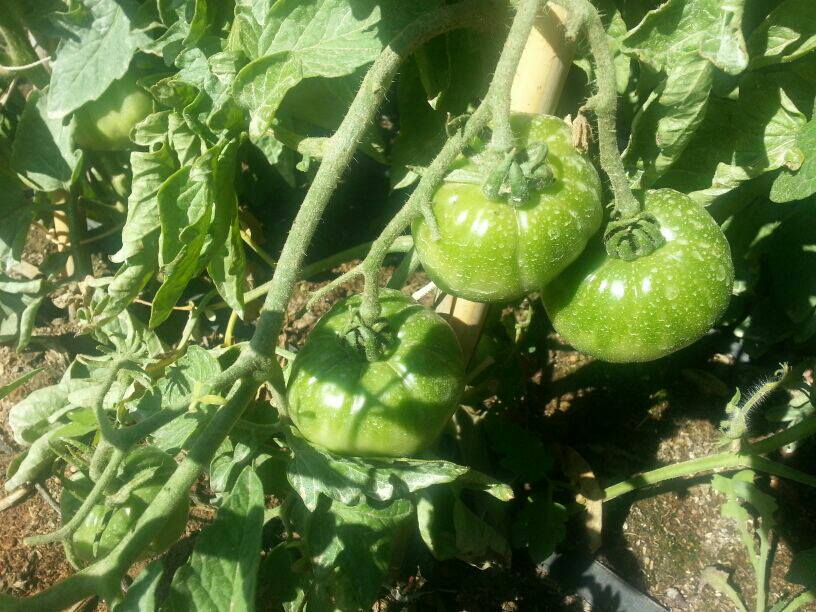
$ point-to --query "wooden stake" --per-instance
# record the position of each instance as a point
(537, 86)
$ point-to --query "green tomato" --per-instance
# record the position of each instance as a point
(110, 520)
(629, 311)
(493, 251)
(392, 407)
(105, 123)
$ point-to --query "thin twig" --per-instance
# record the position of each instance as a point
(14, 498)
(24, 67)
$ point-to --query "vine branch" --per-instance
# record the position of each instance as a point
(604, 104)
(338, 153)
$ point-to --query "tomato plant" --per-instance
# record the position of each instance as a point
(105, 123)
(184, 183)
(140, 478)
(394, 406)
(495, 251)
(626, 311)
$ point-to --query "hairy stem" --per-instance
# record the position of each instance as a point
(67, 530)
(499, 90)
(502, 138)
(339, 151)
(605, 106)
(401, 245)
(749, 458)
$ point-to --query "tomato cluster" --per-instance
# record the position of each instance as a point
(494, 247)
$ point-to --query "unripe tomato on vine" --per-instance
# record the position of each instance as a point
(497, 244)
(646, 307)
(394, 403)
(105, 123)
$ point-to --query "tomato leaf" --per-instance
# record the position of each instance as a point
(17, 213)
(352, 547)
(141, 594)
(803, 569)
(786, 34)
(297, 41)
(350, 479)
(43, 151)
(798, 184)
(686, 41)
(102, 38)
(235, 536)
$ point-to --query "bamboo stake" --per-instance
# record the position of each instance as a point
(537, 86)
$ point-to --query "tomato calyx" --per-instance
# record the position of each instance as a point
(633, 237)
(368, 341)
(517, 174)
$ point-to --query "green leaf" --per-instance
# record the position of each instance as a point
(140, 236)
(424, 109)
(226, 269)
(19, 303)
(197, 206)
(141, 594)
(223, 570)
(43, 150)
(40, 455)
(352, 547)
(298, 40)
(19, 382)
(799, 184)
(686, 40)
(278, 580)
(30, 418)
(194, 370)
(349, 479)
(786, 34)
(17, 213)
(540, 526)
(102, 39)
(450, 528)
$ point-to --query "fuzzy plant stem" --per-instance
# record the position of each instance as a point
(68, 529)
(605, 106)
(750, 457)
(338, 153)
(499, 90)
(502, 138)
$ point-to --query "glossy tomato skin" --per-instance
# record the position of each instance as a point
(392, 407)
(107, 524)
(105, 123)
(631, 311)
(496, 252)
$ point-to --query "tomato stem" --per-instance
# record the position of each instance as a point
(747, 458)
(339, 150)
(501, 86)
(605, 106)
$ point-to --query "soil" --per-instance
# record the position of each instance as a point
(620, 420)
